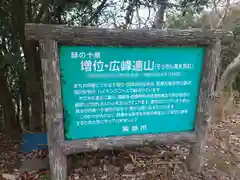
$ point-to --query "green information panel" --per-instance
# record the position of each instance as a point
(121, 91)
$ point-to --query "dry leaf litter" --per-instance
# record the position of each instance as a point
(157, 162)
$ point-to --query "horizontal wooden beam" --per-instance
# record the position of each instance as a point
(77, 146)
(136, 37)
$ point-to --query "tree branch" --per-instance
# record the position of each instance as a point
(234, 67)
(138, 16)
(229, 74)
(18, 18)
(159, 18)
(224, 16)
(29, 10)
(43, 10)
(129, 13)
(215, 4)
(96, 13)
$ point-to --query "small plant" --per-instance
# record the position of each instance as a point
(44, 177)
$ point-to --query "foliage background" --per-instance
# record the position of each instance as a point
(21, 89)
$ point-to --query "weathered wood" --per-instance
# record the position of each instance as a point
(53, 105)
(76, 146)
(52, 35)
(109, 37)
(205, 104)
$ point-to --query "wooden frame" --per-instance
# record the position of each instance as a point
(52, 35)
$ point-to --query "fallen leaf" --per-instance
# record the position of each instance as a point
(10, 176)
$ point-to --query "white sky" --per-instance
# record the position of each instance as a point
(144, 13)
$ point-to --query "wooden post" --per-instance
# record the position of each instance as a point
(205, 105)
(53, 105)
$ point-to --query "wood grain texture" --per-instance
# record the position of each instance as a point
(76, 146)
(116, 37)
(52, 35)
(205, 105)
(53, 105)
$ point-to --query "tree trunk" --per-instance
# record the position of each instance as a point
(32, 57)
(6, 99)
(159, 18)
(37, 114)
(18, 109)
(24, 102)
(34, 96)
(35, 85)
(38, 99)
(237, 83)
(229, 74)
(1, 118)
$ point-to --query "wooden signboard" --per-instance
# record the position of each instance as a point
(108, 88)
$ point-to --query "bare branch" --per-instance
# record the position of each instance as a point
(229, 74)
(149, 15)
(43, 10)
(159, 18)
(221, 13)
(29, 11)
(234, 67)
(210, 19)
(129, 13)
(224, 15)
(97, 12)
(138, 17)
(215, 9)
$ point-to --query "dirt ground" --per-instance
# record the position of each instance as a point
(159, 162)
